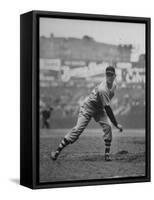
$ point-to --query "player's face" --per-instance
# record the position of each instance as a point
(110, 78)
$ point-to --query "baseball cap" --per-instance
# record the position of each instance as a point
(110, 70)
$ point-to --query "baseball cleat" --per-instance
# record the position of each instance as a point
(54, 155)
(108, 158)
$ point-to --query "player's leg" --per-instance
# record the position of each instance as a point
(46, 123)
(107, 129)
(43, 122)
(73, 135)
(107, 139)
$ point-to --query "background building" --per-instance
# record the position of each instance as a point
(71, 67)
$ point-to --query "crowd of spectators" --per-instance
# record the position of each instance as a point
(66, 101)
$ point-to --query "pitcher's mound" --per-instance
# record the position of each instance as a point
(123, 152)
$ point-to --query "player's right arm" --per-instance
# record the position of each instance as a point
(110, 114)
(106, 104)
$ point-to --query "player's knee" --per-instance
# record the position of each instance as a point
(107, 133)
(78, 129)
(107, 128)
(69, 139)
(73, 135)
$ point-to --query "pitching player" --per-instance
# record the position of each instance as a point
(96, 105)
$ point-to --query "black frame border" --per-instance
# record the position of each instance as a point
(35, 15)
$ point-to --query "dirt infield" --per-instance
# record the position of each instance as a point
(84, 159)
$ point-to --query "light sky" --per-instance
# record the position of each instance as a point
(107, 32)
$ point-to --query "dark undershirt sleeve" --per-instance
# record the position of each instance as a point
(111, 115)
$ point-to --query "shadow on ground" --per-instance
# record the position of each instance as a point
(15, 180)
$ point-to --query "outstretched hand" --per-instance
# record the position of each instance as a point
(119, 126)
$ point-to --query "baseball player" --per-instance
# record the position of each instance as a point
(46, 113)
(96, 105)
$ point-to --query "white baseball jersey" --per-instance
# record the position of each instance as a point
(100, 97)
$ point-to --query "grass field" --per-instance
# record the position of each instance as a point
(84, 159)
